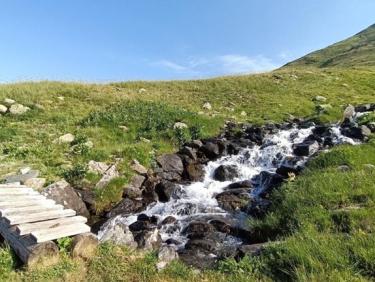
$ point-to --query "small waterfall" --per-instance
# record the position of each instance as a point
(197, 200)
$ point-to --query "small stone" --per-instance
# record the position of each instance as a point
(142, 90)
(369, 166)
(97, 167)
(61, 98)
(319, 98)
(9, 101)
(18, 109)
(243, 113)
(3, 109)
(110, 174)
(36, 183)
(180, 125)
(67, 138)
(84, 246)
(123, 128)
(25, 170)
(144, 140)
(343, 168)
(207, 106)
(349, 112)
(165, 256)
(119, 234)
(22, 177)
(138, 168)
(89, 144)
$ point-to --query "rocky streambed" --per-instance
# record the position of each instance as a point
(196, 202)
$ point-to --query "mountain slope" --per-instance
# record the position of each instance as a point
(358, 50)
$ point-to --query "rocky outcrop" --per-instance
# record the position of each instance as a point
(226, 172)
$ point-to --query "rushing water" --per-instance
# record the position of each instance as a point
(197, 200)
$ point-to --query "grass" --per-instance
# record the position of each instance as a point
(324, 220)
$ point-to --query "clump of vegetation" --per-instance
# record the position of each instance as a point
(106, 197)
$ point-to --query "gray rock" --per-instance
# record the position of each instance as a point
(235, 199)
(320, 98)
(149, 239)
(22, 177)
(97, 167)
(180, 125)
(8, 101)
(349, 112)
(36, 183)
(171, 164)
(306, 148)
(370, 167)
(62, 193)
(343, 168)
(225, 172)
(138, 168)
(18, 109)
(25, 170)
(119, 234)
(3, 109)
(126, 207)
(166, 190)
(165, 256)
(109, 174)
(207, 106)
(137, 181)
(66, 138)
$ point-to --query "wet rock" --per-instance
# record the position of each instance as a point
(148, 190)
(268, 181)
(171, 241)
(255, 134)
(225, 172)
(194, 172)
(306, 148)
(258, 209)
(210, 150)
(362, 132)
(232, 200)
(169, 220)
(371, 126)
(286, 169)
(196, 144)
(138, 168)
(190, 152)
(22, 177)
(165, 256)
(365, 108)
(121, 235)
(221, 225)
(172, 166)
(126, 207)
(62, 193)
(167, 190)
(197, 229)
(240, 184)
(148, 239)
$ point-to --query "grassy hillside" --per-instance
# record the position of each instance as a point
(325, 219)
(356, 51)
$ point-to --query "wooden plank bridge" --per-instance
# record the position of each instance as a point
(29, 222)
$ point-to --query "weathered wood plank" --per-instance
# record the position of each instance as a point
(49, 234)
(33, 209)
(14, 198)
(34, 217)
(27, 228)
(30, 253)
(17, 191)
(12, 186)
(27, 203)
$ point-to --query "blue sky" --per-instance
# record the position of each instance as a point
(100, 41)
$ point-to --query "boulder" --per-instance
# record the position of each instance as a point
(137, 181)
(226, 172)
(233, 200)
(97, 167)
(8, 101)
(194, 172)
(286, 169)
(240, 184)
(138, 168)
(3, 109)
(166, 190)
(36, 183)
(126, 207)
(210, 150)
(171, 165)
(268, 181)
(18, 109)
(349, 112)
(198, 229)
(22, 177)
(255, 134)
(132, 192)
(62, 193)
(306, 148)
(119, 234)
(198, 258)
(165, 256)
(361, 132)
(188, 151)
(168, 220)
(365, 108)
(84, 246)
(149, 239)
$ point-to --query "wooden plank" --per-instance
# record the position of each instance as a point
(12, 185)
(33, 209)
(49, 234)
(14, 198)
(17, 191)
(25, 248)
(34, 217)
(27, 203)
(27, 228)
